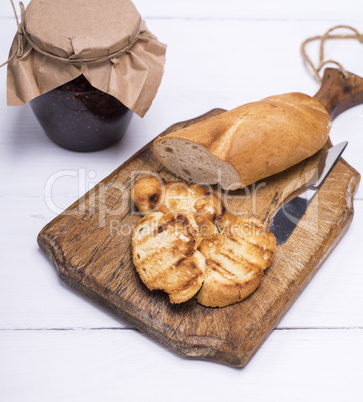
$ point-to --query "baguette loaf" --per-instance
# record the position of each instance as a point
(248, 143)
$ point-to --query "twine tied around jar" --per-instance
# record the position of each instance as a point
(323, 38)
(23, 37)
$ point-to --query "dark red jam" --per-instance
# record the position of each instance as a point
(81, 118)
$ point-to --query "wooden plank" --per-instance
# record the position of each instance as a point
(88, 245)
(34, 364)
(114, 365)
(231, 9)
(188, 89)
(32, 296)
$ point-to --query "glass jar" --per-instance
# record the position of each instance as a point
(108, 42)
(81, 118)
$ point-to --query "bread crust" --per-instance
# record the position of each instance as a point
(262, 138)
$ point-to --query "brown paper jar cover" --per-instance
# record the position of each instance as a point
(80, 35)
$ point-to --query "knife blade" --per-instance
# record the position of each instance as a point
(293, 207)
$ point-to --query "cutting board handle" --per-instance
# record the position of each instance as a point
(338, 93)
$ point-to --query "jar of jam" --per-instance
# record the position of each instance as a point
(85, 66)
(81, 118)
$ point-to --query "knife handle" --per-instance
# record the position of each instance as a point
(338, 93)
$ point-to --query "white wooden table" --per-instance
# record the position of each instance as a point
(56, 345)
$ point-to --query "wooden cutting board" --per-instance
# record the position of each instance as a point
(89, 244)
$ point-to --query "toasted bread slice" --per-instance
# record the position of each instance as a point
(206, 227)
(191, 243)
(148, 195)
(164, 250)
(152, 195)
(258, 243)
(235, 259)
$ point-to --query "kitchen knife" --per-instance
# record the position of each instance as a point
(293, 207)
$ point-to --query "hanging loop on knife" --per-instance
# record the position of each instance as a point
(355, 34)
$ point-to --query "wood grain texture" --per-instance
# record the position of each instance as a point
(338, 93)
(89, 243)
